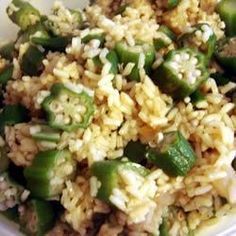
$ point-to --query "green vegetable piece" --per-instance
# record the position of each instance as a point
(58, 43)
(197, 97)
(226, 55)
(165, 37)
(107, 173)
(45, 133)
(23, 14)
(174, 155)
(6, 74)
(11, 214)
(170, 4)
(221, 79)
(47, 174)
(37, 30)
(181, 73)
(164, 229)
(99, 36)
(166, 30)
(36, 217)
(135, 151)
(227, 11)
(78, 15)
(7, 51)
(128, 54)
(112, 58)
(191, 232)
(202, 38)
(13, 114)
(32, 61)
(67, 109)
(7, 184)
(4, 160)
(121, 9)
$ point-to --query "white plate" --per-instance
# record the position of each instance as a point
(226, 226)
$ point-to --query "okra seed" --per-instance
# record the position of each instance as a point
(77, 117)
(63, 97)
(177, 57)
(194, 61)
(59, 118)
(180, 76)
(185, 56)
(67, 120)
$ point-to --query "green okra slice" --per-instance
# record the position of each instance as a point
(201, 37)
(36, 217)
(23, 14)
(226, 55)
(164, 228)
(91, 36)
(174, 154)
(4, 160)
(181, 73)
(67, 109)
(164, 37)
(107, 175)
(135, 151)
(13, 114)
(7, 50)
(170, 4)
(11, 193)
(32, 61)
(121, 9)
(112, 59)
(197, 97)
(227, 11)
(77, 15)
(6, 74)
(37, 30)
(52, 26)
(58, 43)
(221, 79)
(11, 214)
(48, 173)
(133, 54)
(45, 133)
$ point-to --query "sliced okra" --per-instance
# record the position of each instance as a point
(181, 73)
(7, 50)
(226, 55)
(201, 37)
(32, 61)
(58, 43)
(68, 110)
(36, 217)
(107, 174)
(174, 155)
(48, 173)
(164, 37)
(112, 59)
(6, 74)
(13, 114)
(45, 133)
(23, 14)
(128, 54)
(227, 11)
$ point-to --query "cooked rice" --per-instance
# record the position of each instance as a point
(128, 111)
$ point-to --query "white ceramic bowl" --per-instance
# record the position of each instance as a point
(226, 226)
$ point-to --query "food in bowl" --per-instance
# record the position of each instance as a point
(119, 119)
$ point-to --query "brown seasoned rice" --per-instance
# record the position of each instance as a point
(129, 111)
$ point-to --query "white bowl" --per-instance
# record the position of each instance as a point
(226, 226)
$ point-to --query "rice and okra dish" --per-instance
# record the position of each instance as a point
(119, 119)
